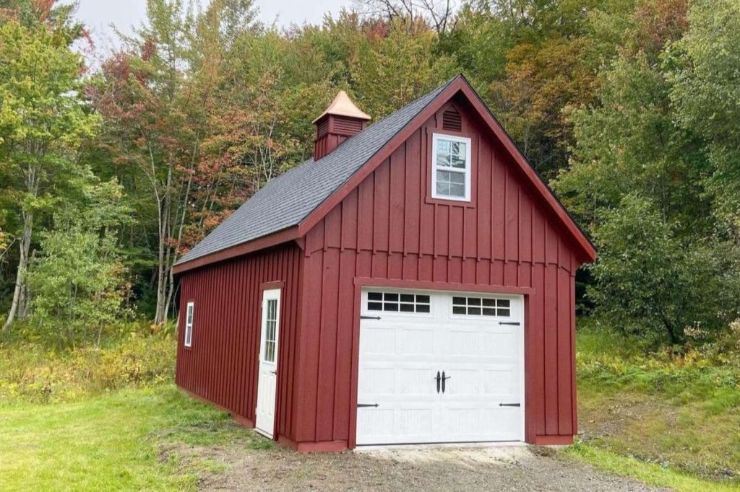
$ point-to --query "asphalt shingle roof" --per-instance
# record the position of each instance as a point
(288, 199)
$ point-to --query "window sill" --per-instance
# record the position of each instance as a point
(449, 202)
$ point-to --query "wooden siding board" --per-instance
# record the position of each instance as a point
(565, 411)
(551, 350)
(381, 209)
(345, 320)
(412, 195)
(397, 171)
(327, 349)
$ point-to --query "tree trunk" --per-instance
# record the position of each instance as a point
(20, 278)
(163, 254)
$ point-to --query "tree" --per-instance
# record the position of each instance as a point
(42, 123)
(648, 281)
(79, 280)
(651, 172)
(706, 95)
(391, 68)
(437, 13)
(156, 98)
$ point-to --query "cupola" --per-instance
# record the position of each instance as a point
(341, 120)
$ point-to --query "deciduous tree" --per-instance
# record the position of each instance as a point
(43, 121)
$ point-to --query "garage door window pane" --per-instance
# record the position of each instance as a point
(481, 306)
(398, 302)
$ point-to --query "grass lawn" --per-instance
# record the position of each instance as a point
(111, 442)
(669, 422)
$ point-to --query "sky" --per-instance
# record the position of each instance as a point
(98, 15)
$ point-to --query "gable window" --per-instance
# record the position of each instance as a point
(451, 167)
(189, 316)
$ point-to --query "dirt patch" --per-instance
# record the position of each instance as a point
(615, 415)
(391, 469)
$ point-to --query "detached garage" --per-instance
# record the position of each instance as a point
(413, 282)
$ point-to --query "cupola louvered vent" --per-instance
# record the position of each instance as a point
(347, 126)
(451, 120)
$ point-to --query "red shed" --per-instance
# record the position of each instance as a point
(412, 283)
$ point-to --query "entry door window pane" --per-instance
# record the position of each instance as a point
(270, 331)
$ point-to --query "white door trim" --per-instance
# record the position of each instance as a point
(264, 421)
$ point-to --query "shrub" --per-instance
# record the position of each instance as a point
(708, 373)
(30, 371)
(79, 283)
(650, 283)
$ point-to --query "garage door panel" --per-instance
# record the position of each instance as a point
(389, 379)
(497, 343)
(501, 382)
(404, 423)
(415, 342)
(401, 353)
(379, 340)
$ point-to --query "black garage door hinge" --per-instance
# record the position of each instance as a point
(509, 404)
(512, 323)
(365, 405)
(369, 317)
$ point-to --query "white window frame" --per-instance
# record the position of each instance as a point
(436, 137)
(189, 322)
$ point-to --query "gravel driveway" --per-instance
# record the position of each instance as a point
(428, 469)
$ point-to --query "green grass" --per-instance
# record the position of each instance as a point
(671, 420)
(128, 440)
(649, 473)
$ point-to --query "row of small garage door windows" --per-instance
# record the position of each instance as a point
(421, 303)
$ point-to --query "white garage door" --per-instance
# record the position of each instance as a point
(440, 367)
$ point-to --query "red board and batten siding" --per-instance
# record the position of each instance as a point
(222, 364)
(388, 231)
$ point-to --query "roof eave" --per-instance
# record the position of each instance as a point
(260, 243)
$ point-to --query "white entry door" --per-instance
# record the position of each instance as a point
(267, 382)
(440, 367)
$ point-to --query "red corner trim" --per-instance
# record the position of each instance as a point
(313, 447)
(553, 440)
